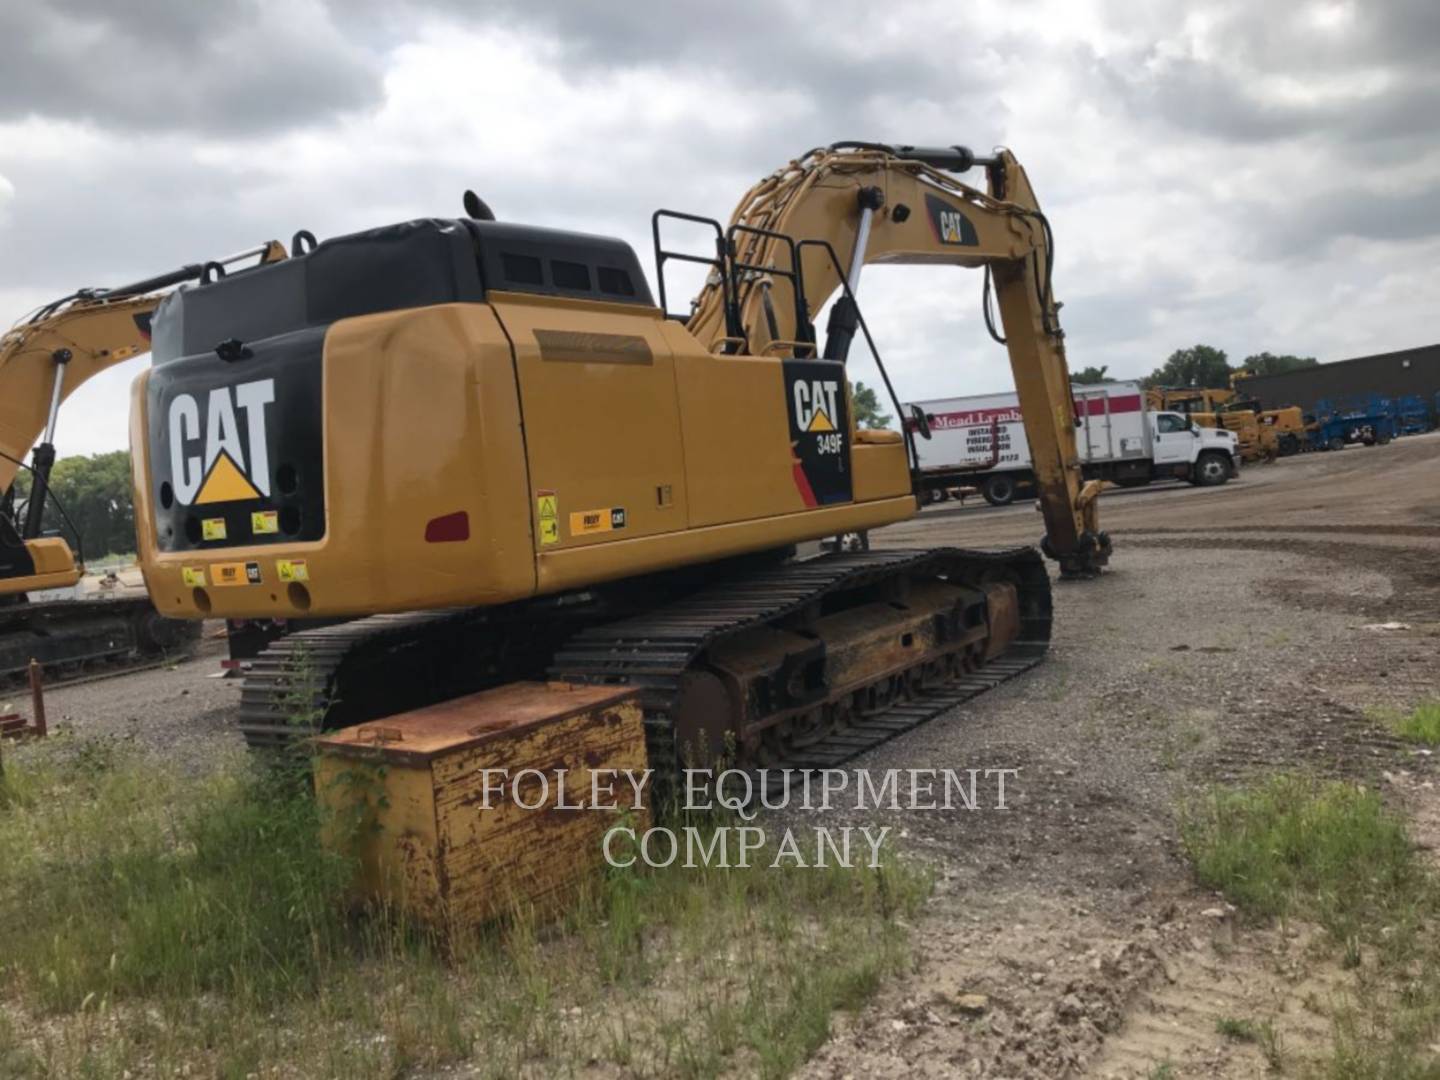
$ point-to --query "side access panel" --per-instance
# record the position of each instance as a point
(602, 426)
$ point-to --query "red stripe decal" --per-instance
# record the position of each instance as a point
(1010, 414)
(803, 483)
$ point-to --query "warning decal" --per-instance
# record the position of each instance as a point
(292, 570)
(597, 521)
(819, 430)
(548, 516)
(265, 521)
(194, 576)
(213, 528)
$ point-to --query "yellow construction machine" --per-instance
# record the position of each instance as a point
(491, 442)
(1214, 407)
(43, 359)
(1262, 434)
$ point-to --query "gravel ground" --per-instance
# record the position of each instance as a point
(181, 712)
(1233, 634)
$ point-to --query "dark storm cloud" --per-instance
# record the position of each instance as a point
(221, 67)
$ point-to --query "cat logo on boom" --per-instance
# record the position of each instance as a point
(949, 224)
(208, 461)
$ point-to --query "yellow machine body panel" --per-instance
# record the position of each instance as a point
(54, 567)
(568, 434)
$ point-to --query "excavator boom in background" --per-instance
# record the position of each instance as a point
(43, 360)
(489, 446)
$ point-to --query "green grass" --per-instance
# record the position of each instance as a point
(1420, 725)
(1293, 845)
(1238, 1030)
(1296, 847)
(154, 924)
(1263, 1035)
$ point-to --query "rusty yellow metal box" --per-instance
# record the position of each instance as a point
(462, 811)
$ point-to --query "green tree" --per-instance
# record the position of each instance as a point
(1266, 363)
(1088, 376)
(868, 413)
(1202, 365)
(95, 492)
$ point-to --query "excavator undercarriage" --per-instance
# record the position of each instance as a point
(71, 636)
(798, 664)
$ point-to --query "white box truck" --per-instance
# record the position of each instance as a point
(980, 441)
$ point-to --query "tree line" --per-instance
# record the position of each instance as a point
(95, 492)
(1204, 366)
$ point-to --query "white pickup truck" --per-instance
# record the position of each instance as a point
(980, 441)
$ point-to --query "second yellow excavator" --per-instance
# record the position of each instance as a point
(44, 358)
(489, 441)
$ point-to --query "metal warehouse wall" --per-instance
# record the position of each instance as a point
(1411, 371)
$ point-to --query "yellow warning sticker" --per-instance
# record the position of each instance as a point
(213, 528)
(194, 576)
(229, 573)
(547, 514)
(597, 521)
(292, 569)
(264, 521)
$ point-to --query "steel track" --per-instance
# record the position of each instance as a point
(313, 679)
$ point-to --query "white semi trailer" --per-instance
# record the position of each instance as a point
(980, 441)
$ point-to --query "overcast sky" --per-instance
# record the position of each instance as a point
(1257, 176)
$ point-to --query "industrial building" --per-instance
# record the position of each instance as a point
(1394, 374)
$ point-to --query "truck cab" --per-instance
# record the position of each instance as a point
(1180, 447)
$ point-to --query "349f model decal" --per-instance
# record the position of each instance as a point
(819, 430)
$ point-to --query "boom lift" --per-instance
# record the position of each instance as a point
(43, 360)
(489, 439)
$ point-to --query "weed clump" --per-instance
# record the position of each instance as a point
(1294, 845)
(1420, 725)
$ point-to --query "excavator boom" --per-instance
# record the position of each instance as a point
(861, 203)
(43, 360)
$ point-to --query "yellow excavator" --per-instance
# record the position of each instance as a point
(490, 446)
(43, 359)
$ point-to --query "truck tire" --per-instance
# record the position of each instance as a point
(1289, 444)
(1211, 470)
(1382, 438)
(998, 489)
(1336, 443)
